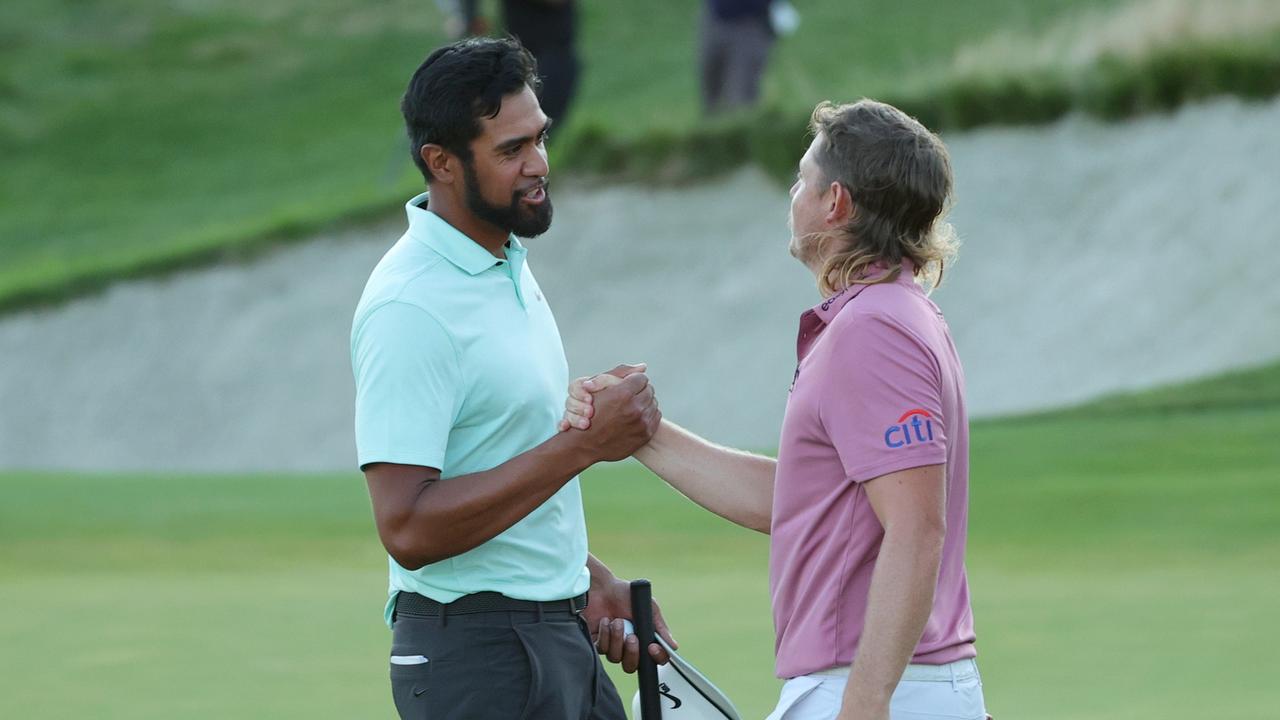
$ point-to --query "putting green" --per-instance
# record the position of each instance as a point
(1122, 565)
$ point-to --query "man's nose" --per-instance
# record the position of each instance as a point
(537, 165)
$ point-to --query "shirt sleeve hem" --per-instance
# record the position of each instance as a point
(408, 457)
(864, 473)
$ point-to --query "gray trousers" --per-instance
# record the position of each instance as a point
(732, 57)
(499, 665)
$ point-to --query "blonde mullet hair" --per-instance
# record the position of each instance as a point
(899, 175)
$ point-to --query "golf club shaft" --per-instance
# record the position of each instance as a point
(647, 673)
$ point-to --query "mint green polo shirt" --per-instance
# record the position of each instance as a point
(459, 366)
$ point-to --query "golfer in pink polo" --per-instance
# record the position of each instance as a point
(867, 503)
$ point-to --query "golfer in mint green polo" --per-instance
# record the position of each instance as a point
(459, 361)
(460, 380)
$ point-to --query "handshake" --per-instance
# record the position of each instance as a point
(616, 412)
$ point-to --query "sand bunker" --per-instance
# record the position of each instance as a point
(1096, 258)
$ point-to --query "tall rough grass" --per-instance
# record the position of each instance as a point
(1133, 32)
(1146, 56)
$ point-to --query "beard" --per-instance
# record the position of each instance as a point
(516, 217)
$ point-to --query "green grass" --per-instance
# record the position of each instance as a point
(1121, 557)
(141, 136)
(1245, 389)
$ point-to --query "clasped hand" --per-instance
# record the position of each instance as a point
(581, 405)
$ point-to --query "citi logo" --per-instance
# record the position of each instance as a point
(917, 423)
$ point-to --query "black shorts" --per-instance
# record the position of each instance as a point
(503, 665)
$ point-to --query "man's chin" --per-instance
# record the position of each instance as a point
(534, 222)
(529, 233)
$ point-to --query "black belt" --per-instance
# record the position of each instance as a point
(415, 605)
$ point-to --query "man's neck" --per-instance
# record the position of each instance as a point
(490, 237)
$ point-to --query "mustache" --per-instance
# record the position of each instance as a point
(541, 184)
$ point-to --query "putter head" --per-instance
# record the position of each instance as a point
(687, 694)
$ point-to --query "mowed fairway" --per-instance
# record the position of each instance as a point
(1124, 565)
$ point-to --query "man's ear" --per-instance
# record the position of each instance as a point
(440, 162)
(840, 207)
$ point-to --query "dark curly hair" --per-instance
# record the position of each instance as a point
(456, 86)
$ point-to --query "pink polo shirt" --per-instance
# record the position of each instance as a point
(878, 389)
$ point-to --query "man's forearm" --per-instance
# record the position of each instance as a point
(733, 484)
(600, 573)
(450, 517)
(898, 606)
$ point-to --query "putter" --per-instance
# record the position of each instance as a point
(676, 690)
(647, 673)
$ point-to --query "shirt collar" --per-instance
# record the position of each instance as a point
(432, 230)
(830, 307)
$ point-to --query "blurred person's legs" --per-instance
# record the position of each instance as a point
(744, 66)
(713, 44)
(953, 690)
(732, 58)
(559, 69)
(549, 31)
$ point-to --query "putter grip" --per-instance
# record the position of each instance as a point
(647, 673)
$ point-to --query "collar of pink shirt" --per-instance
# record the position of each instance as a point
(813, 320)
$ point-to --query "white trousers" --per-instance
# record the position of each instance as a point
(926, 692)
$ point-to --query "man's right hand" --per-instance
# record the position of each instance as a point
(624, 415)
(579, 405)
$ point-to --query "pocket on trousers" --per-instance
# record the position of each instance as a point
(411, 686)
(938, 701)
(496, 677)
(794, 691)
(534, 700)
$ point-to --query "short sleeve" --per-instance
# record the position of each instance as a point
(882, 405)
(408, 386)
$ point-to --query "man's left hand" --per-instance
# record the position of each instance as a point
(608, 604)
